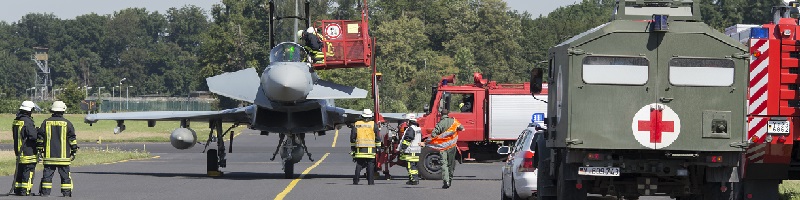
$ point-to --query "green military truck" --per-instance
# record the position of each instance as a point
(651, 103)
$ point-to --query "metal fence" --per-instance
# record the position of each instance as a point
(106, 105)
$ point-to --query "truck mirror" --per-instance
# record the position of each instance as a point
(536, 80)
(503, 150)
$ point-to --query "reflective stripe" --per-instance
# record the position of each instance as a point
(410, 157)
(27, 159)
(447, 139)
(56, 161)
(74, 142)
(66, 186)
(47, 185)
(19, 124)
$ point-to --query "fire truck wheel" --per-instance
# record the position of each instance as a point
(431, 164)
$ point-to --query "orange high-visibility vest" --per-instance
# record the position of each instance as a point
(448, 139)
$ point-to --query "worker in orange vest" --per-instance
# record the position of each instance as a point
(444, 138)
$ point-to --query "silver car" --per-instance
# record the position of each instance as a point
(519, 173)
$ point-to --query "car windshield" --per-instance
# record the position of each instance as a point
(287, 52)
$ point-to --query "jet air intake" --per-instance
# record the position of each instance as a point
(183, 138)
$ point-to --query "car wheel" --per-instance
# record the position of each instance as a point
(514, 194)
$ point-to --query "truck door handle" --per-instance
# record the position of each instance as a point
(666, 99)
(471, 121)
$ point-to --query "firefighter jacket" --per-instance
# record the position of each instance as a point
(24, 131)
(364, 139)
(411, 138)
(57, 137)
(410, 144)
(445, 134)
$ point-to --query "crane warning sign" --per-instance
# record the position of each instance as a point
(333, 30)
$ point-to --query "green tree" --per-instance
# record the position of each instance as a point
(72, 95)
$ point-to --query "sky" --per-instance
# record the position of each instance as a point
(13, 10)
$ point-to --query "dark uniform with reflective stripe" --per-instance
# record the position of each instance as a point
(57, 137)
(364, 140)
(24, 132)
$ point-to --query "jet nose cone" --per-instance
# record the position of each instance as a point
(286, 82)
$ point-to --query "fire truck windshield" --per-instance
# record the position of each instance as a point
(287, 52)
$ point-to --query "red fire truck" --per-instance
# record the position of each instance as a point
(493, 115)
(773, 104)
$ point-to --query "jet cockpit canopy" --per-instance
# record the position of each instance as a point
(287, 52)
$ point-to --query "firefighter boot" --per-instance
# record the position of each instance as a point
(66, 193)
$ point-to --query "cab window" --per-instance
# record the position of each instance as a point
(287, 52)
(460, 102)
(611, 70)
(701, 72)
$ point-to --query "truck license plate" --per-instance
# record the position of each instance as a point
(599, 171)
(778, 127)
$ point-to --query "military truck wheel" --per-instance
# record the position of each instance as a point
(712, 191)
(431, 164)
(545, 183)
(568, 189)
(288, 169)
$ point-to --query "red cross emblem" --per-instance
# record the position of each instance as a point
(656, 125)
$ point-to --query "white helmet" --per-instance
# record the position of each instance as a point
(300, 33)
(58, 106)
(411, 116)
(27, 105)
(367, 113)
(311, 30)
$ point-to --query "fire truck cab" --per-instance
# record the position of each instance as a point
(492, 114)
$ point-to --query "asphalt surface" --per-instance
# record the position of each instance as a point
(181, 174)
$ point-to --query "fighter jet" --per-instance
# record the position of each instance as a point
(288, 99)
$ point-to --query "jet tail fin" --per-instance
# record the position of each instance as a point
(240, 85)
(329, 90)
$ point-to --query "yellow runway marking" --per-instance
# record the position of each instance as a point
(336, 135)
(294, 182)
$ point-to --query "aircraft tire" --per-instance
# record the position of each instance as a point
(212, 161)
(288, 170)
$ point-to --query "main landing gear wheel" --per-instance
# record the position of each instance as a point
(431, 164)
(212, 163)
(288, 169)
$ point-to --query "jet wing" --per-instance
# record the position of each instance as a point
(389, 117)
(329, 90)
(235, 115)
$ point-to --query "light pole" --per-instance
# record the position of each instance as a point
(120, 92)
(98, 98)
(127, 97)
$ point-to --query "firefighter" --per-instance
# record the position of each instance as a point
(57, 138)
(410, 148)
(443, 139)
(364, 143)
(24, 131)
(313, 43)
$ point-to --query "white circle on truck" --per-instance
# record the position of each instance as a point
(656, 126)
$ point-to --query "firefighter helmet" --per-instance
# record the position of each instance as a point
(58, 106)
(367, 113)
(411, 116)
(27, 105)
